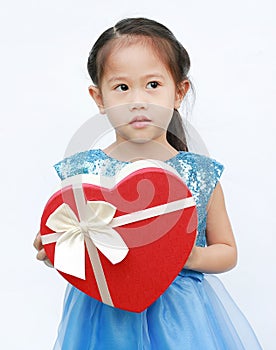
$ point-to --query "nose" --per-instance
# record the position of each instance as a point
(138, 106)
(137, 99)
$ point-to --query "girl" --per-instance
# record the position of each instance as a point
(140, 76)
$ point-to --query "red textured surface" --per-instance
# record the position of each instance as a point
(159, 246)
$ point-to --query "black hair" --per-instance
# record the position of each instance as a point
(168, 48)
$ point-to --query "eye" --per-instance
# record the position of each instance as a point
(153, 85)
(122, 87)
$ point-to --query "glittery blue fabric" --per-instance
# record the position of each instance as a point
(194, 313)
(200, 174)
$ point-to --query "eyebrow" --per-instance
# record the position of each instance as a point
(147, 76)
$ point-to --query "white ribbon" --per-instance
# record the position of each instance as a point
(95, 229)
(70, 236)
(96, 223)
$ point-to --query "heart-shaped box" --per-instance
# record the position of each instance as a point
(156, 229)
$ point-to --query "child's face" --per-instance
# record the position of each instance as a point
(137, 92)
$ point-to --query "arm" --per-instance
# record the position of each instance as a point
(220, 255)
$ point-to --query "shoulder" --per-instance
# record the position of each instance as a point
(199, 159)
(200, 163)
(200, 173)
(79, 163)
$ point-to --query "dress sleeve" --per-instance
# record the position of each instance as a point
(201, 174)
(86, 162)
(71, 166)
(213, 172)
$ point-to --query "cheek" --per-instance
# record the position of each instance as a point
(118, 115)
(160, 115)
(115, 103)
(168, 98)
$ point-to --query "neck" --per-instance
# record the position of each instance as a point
(126, 150)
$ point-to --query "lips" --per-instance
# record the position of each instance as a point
(141, 118)
(140, 122)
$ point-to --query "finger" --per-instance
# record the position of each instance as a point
(37, 242)
(41, 255)
(48, 262)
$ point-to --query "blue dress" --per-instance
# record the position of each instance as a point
(194, 313)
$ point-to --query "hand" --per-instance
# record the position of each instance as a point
(191, 261)
(41, 255)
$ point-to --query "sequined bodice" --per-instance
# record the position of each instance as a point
(200, 174)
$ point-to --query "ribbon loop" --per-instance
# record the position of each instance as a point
(70, 246)
(96, 226)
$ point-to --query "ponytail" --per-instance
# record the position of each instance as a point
(176, 134)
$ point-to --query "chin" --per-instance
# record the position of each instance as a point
(140, 140)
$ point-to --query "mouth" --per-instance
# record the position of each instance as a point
(140, 122)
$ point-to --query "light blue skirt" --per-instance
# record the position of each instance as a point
(194, 313)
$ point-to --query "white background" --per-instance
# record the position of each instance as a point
(44, 100)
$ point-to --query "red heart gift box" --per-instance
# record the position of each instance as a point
(122, 240)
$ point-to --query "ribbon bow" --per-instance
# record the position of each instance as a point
(95, 225)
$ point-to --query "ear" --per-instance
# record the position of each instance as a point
(181, 90)
(95, 93)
